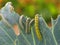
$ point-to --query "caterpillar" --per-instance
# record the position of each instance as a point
(20, 21)
(38, 33)
(27, 25)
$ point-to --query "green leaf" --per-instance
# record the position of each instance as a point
(56, 29)
(8, 36)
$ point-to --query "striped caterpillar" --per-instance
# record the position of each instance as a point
(28, 23)
(39, 36)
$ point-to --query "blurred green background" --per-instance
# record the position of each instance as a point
(46, 8)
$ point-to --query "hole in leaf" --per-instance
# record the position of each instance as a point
(16, 29)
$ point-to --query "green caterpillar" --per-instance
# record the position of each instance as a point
(28, 26)
(39, 36)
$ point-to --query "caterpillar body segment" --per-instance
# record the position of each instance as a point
(20, 21)
(38, 33)
(31, 24)
(27, 25)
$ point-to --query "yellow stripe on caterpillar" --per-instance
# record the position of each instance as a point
(39, 36)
